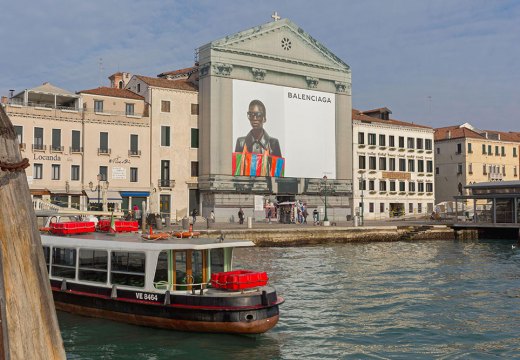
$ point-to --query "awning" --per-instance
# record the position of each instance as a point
(135, 193)
(110, 195)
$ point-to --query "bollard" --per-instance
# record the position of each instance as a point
(249, 222)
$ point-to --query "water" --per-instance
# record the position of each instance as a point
(428, 300)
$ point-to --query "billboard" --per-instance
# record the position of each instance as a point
(282, 131)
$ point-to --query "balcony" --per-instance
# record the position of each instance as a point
(134, 152)
(75, 150)
(56, 149)
(166, 184)
(39, 147)
(104, 151)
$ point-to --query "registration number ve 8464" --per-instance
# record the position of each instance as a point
(146, 296)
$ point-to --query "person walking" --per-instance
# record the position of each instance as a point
(240, 216)
(212, 216)
(194, 214)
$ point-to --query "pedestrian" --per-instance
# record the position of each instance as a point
(305, 214)
(240, 216)
(212, 216)
(269, 215)
(194, 216)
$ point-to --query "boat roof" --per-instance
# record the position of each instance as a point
(134, 241)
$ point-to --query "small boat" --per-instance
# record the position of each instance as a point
(184, 284)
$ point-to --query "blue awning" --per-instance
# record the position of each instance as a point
(135, 193)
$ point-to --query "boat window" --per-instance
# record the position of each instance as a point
(93, 265)
(216, 260)
(47, 255)
(128, 268)
(160, 279)
(196, 267)
(181, 276)
(64, 263)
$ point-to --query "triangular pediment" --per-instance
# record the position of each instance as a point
(281, 41)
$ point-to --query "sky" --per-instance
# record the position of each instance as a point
(436, 63)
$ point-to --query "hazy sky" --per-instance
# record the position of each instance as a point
(437, 63)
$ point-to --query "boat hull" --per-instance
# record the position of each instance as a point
(238, 315)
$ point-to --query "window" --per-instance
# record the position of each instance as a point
(76, 141)
(98, 106)
(504, 170)
(93, 265)
(371, 185)
(411, 165)
(371, 139)
(194, 109)
(103, 171)
(401, 141)
(18, 130)
(371, 207)
(437, 171)
(38, 171)
(459, 148)
(483, 149)
(362, 184)
(410, 208)
(55, 172)
(503, 152)
(419, 144)
(391, 140)
(382, 140)
(381, 207)
(194, 168)
(470, 150)
(419, 208)
(420, 166)
(165, 172)
(361, 138)
(382, 163)
(195, 138)
(165, 136)
(164, 203)
(38, 138)
(514, 170)
(411, 186)
(129, 109)
(64, 263)
(133, 174)
(429, 187)
(490, 151)
(514, 152)
(362, 162)
(402, 164)
(428, 144)
(165, 106)
(438, 150)
(392, 185)
(402, 186)
(134, 144)
(420, 187)
(127, 268)
(56, 140)
(470, 168)
(410, 142)
(429, 166)
(103, 142)
(391, 164)
(372, 162)
(496, 151)
(138, 88)
(382, 185)
(459, 169)
(484, 172)
(74, 172)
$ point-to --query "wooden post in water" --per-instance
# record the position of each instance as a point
(29, 326)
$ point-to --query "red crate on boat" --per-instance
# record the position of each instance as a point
(238, 279)
(72, 227)
(121, 225)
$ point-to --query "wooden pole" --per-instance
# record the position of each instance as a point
(29, 324)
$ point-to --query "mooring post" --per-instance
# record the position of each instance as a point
(29, 323)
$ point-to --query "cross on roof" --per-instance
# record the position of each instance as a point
(275, 16)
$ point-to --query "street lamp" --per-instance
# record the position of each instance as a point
(362, 188)
(326, 189)
(99, 188)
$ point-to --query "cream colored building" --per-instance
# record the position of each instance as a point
(393, 166)
(466, 155)
(70, 139)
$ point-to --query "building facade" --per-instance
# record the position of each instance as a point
(465, 155)
(393, 166)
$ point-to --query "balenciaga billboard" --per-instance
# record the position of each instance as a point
(281, 131)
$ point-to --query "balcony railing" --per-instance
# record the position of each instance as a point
(75, 150)
(39, 147)
(55, 148)
(134, 152)
(166, 183)
(104, 151)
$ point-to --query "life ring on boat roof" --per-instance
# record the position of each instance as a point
(186, 234)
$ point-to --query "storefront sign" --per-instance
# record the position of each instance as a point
(47, 157)
(396, 175)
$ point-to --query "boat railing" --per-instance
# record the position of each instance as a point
(164, 285)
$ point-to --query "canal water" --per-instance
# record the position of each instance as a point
(427, 300)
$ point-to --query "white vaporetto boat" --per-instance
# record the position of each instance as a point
(179, 284)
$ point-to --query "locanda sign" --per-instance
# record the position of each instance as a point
(47, 157)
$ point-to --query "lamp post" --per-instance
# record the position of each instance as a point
(325, 189)
(99, 188)
(362, 188)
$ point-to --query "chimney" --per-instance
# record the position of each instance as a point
(448, 135)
